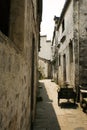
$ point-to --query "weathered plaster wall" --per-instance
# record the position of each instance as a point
(43, 68)
(14, 88)
(76, 42)
(64, 47)
(45, 48)
(75, 31)
(45, 57)
(83, 42)
(17, 14)
(18, 67)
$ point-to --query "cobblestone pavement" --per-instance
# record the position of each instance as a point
(50, 116)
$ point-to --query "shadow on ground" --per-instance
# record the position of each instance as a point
(46, 118)
(68, 105)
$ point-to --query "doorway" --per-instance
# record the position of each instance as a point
(32, 78)
(64, 67)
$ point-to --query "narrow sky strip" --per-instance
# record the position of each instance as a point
(51, 8)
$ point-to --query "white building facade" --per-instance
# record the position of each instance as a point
(72, 44)
(45, 57)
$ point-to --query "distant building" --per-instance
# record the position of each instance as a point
(72, 44)
(44, 65)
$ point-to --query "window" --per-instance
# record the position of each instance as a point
(63, 25)
(64, 67)
(71, 51)
(59, 59)
(4, 16)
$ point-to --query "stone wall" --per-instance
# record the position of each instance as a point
(83, 42)
(14, 87)
(18, 67)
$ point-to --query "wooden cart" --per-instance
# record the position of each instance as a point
(66, 93)
(83, 98)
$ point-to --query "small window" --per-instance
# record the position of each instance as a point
(71, 52)
(59, 59)
(4, 15)
(63, 25)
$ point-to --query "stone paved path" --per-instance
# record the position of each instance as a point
(50, 116)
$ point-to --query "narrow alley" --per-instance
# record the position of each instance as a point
(50, 116)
